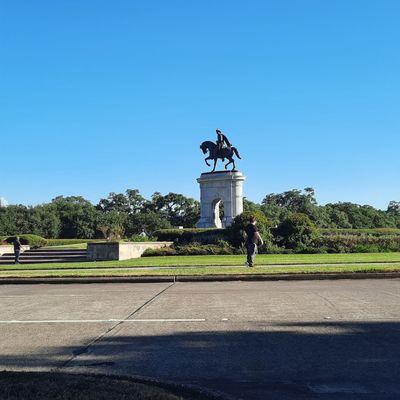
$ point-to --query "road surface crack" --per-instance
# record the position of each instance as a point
(330, 304)
(85, 348)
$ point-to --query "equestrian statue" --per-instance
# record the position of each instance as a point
(221, 149)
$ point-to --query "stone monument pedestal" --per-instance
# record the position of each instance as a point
(225, 186)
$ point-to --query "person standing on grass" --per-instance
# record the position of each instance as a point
(17, 249)
(253, 240)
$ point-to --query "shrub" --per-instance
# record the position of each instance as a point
(112, 227)
(194, 249)
(295, 232)
(357, 243)
(187, 236)
(164, 251)
(271, 248)
(209, 249)
(318, 244)
(362, 248)
(28, 239)
(360, 232)
(139, 238)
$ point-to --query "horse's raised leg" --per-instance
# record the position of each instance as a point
(206, 160)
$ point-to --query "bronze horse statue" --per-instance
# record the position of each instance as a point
(215, 153)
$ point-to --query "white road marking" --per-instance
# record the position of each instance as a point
(86, 321)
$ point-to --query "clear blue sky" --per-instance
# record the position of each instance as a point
(101, 96)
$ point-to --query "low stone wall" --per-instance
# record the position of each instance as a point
(10, 249)
(121, 251)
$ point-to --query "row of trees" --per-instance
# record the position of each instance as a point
(277, 207)
(119, 214)
(128, 214)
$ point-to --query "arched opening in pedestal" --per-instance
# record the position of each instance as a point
(218, 213)
(217, 190)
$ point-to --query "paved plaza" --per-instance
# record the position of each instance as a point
(250, 340)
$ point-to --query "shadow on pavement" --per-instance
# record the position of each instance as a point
(329, 360)
(19, 385)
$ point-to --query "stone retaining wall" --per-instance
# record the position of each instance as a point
(120, 251)
(10, 249)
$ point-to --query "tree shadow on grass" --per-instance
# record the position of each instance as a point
(326, 360)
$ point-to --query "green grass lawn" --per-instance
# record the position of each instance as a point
(237, 260)
(76, 246)
(99, 272)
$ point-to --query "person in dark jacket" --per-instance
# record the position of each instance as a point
(253, 239)
(17, 249)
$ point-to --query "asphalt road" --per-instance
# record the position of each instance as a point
(251, 340)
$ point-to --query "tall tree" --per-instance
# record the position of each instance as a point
(177, 209)
(79, 218)
(131, 202)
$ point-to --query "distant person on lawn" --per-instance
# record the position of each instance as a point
(17, 249)
(253, 240)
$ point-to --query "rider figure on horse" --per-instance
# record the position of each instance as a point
(221, 149)
(222, 141)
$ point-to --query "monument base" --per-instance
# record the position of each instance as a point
(217, 187)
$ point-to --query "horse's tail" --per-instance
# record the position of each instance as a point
(236, 152)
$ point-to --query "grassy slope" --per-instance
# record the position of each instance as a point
(76, 246)
(202, 271)
(181, 261)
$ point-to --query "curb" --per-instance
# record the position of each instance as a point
(204, 278)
